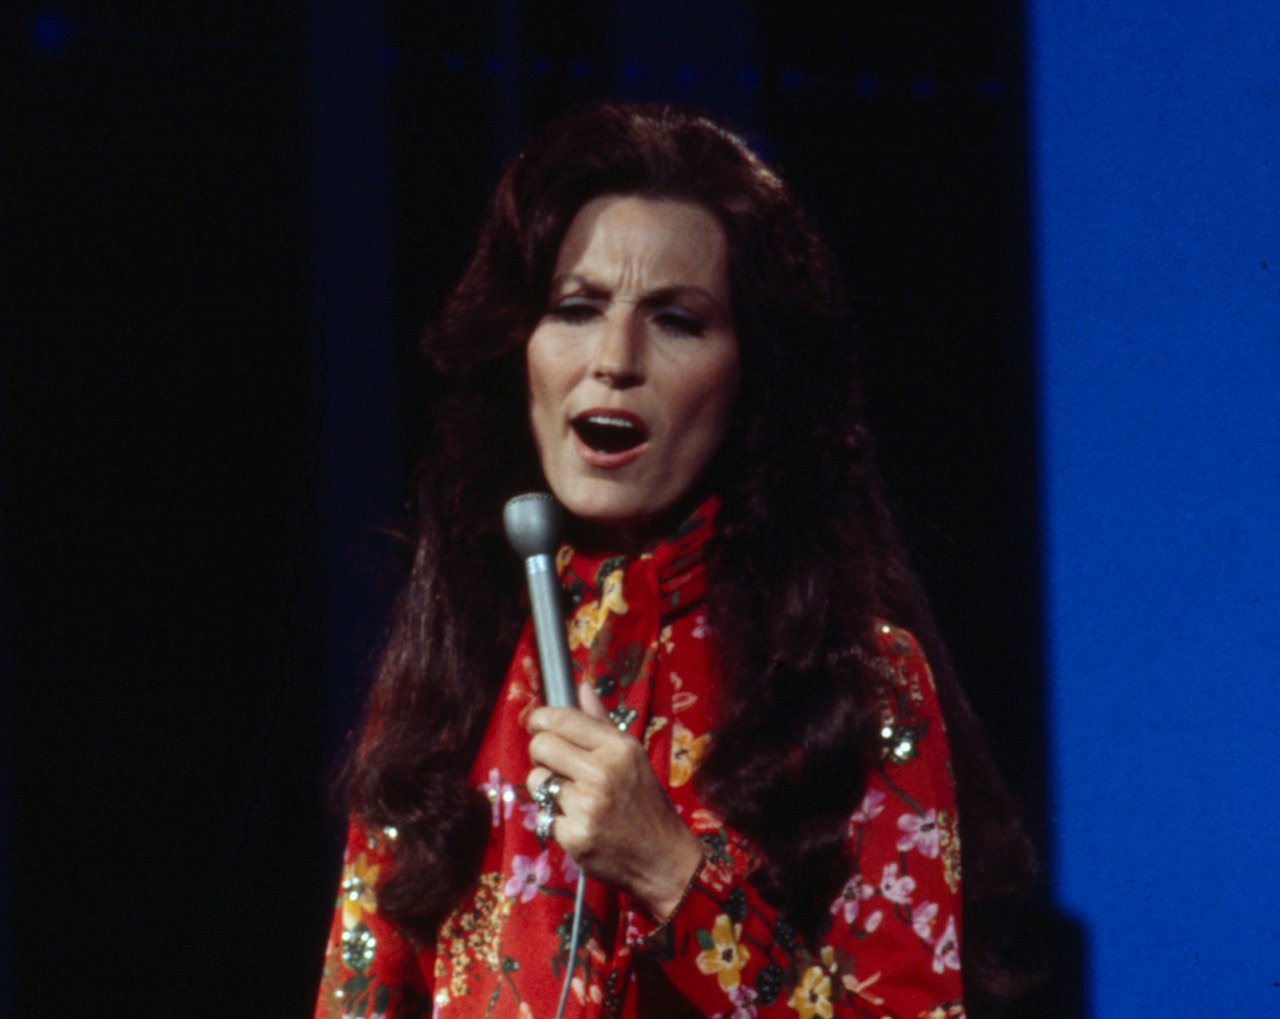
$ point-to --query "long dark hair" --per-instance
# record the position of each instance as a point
(806, 556)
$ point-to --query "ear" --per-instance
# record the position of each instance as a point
(589, 701)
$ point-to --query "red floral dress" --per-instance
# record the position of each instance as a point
(639, 633)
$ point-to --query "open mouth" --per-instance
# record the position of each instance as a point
(611, 432)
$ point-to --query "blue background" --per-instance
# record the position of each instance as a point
(1155, 155)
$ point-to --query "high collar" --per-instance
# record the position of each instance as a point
(676, 564)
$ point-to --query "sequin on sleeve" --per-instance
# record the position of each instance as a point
(370, 968)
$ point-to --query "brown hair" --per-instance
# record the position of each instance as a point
(806, 555)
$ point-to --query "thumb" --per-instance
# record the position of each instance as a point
(589, 701)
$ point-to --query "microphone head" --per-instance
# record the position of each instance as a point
(532, 522)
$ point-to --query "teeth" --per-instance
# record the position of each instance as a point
(611, 422)
(609, 433)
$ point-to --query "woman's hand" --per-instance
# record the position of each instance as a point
(616, 819)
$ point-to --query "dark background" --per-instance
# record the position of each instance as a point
(228, 223)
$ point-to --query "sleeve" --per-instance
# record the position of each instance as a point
(891, 947)
(370, 967)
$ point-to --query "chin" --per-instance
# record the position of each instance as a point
(608, 509)
(607, 512)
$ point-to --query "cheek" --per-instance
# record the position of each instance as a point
(552, 361)
(720, 393)
(539, 384)
(709, 400)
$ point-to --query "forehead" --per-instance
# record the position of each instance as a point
(646, 242)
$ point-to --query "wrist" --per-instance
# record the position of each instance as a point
(669, 891)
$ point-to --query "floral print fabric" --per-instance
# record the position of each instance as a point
(638, 632)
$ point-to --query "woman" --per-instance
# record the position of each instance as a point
(759, 779)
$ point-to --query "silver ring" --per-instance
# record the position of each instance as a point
(546, 819)
(547, 792)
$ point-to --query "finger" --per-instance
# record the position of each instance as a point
(573, 725)
(590, 703)
(570, 799)
(568, 831)
(536, 777)
(557, 754)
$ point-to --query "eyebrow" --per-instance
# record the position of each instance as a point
(663, 295)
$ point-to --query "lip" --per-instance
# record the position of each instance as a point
(599, 458)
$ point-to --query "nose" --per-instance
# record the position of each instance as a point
(617, 359)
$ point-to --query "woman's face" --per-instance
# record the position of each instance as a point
(633, 369)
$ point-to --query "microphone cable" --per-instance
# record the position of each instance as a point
(574, 937)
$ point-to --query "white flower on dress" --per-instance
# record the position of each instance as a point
(872, 806)
(894, 888)
(851, 896)
(920, 833)
(922, 920)
(946, 953)
(583, 991)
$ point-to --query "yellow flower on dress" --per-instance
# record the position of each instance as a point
(471, 934)
(724, 956)
(584, 625)
(590, 616)
(862, 987)
(611, 596)
(686, 753)
(812, 995)
(949, 842)
(359, 878)
(655, 726)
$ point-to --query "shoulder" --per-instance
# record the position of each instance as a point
(909, 710)
(899, 652)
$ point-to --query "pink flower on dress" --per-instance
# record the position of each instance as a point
(894, 888)
(873, 921)
(743, 998)
(946, 953)
(872, 806)
(922, 920)
(920, 833)
(527, 874)
(569, 867)
(700, 628)
(502, 796)
(529, 815)
(850, 897)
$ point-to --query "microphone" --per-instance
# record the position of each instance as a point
(532, 522)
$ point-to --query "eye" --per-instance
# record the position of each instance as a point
(573, 310)
(680, 322)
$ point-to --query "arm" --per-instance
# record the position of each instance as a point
(892, 945)
(370, 967)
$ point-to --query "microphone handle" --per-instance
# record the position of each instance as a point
(549, 631)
